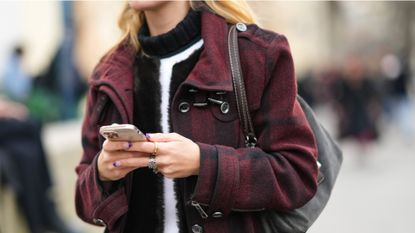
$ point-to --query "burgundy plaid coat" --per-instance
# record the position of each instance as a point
(235, 182)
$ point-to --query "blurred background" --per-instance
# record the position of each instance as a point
(355, 64)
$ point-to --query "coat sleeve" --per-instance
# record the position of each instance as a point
(281, 172)
(93, 201)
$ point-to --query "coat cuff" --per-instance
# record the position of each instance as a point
(207, 173)
(112, 209)
(219, 178)
(114, 204)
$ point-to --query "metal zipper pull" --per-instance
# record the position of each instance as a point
(199, 209)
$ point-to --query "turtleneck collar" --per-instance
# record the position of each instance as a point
(185, 34)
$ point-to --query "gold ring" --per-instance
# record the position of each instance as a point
(156, 149)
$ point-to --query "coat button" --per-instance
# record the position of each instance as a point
(197, 228)
(241, 27)
(217, 214)
(224, 107)
(184, 107)
(99, 222)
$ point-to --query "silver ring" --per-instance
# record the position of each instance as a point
(152, 164)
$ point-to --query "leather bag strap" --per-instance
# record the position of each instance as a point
(239, 88)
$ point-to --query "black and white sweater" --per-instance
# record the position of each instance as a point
(162, 64)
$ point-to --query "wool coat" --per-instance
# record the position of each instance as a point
(234, 183)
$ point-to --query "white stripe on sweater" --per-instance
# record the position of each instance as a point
(166, 69)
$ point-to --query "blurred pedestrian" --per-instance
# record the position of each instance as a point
(16, 82)
(307, 87)
(171, 73)
(397, 102)
(25, 168)
(357, 104)
(23, 161)
(61, 85)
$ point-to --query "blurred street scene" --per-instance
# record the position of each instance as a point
(355, 64)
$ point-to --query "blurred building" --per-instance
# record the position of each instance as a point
(319, 33)
(35, 25)
(325, 32)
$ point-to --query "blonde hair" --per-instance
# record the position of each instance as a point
(232, 11)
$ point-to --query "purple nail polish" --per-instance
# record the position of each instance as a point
(128, 145)
(148, 136)
(116, 164)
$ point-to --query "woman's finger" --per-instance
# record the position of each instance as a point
(111, 156)
(116, 145)
(144, 147)
(164, 137)
(116, 173)
(132, 162)
(148, 147)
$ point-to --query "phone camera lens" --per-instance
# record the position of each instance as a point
(112, 135)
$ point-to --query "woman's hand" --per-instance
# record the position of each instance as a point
(114, 161)
(175, 155)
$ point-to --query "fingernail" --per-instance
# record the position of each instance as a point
(148, 136)
(116, 164)
(128, 145)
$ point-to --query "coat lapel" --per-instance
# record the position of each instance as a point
(212, 71)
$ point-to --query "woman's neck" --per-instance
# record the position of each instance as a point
(166, 17)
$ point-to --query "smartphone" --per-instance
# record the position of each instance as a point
(122, 132)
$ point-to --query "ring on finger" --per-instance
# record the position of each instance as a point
(156, 149)
(152, 164)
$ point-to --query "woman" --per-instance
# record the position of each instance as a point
(169, 76)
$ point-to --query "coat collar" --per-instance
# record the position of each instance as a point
(212, 71)
(116, 68)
